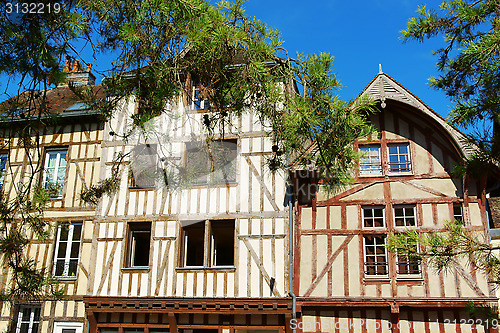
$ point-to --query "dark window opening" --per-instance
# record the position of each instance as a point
(208, 243)
(194, 236)
(139, 244)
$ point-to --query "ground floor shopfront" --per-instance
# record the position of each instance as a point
(187, 315)
(402, 316)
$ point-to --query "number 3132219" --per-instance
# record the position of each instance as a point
(32, 8)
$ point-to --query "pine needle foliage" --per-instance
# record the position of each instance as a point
(444, 250)
(469, 62)
(161, 48)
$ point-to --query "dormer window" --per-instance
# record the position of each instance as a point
(396, 160)
(399, 158)
(370, 162)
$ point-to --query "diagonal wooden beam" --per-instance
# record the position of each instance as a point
(424, 188)
(263, 271)
(468, 279)
(262, 183)
(108, 266)
(353, 190)
(328, 265)
(163, 267)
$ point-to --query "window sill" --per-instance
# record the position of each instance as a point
(409, 278)
(209, 185)
(395, 174)
(377, 279)
(135, 269)
(378, 175)
(141, 188)
(204, 268)
(65, 278)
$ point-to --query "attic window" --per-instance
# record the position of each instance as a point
(78, 106)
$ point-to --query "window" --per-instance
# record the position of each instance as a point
(54, 171)
(67, 249)
(399, 158)
(404, 216)
(408, 266)
(458, 212)
(144, 171)
(139, 239)
(370, 162)
(28, 319)
(208, 243)
(200, 95)
(375, 256)
(213, 163)
(373, 217)
(3, 167)
(68, 327)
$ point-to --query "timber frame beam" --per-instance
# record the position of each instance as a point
(191, 305)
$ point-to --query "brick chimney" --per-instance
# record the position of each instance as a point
(77, 75)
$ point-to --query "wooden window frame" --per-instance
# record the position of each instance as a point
(384, 145)
(461, 215)
(362, 163)
(31, 320)
(45, 182)
(131, 181)
(139, 227)
(409, 162)
(365, 255)
(209, 176)
(415, 217)
(69, 244)
(4, 161)
(408, 276)
(209, 251)
(384, 216)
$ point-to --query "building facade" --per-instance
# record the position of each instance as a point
(195, 238)
(345, 279)
(66, 159)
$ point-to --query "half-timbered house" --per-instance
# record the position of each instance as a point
(195, 238)
(345, 280)
(65, 157)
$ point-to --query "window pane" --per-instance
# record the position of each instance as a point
(375, 255)
(370, 162)
(61, 252)
(405, 216)
(194, 236)
(77, 231)
(73, 267)
(59, 268)
(68, 330)
(197, 163)
(223, 238)
(399, 158)
(373, 217)
(24, 327)
(75, 249)
(141, 242)
(224, 161)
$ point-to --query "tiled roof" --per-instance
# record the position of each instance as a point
(58, 100)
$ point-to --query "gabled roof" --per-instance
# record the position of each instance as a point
(383, 88)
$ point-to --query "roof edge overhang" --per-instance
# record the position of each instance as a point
(384, 88)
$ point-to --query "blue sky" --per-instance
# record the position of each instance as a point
(360, 34)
